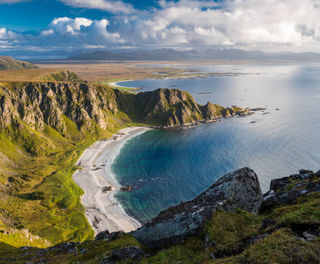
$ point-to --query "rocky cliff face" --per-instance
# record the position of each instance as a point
(39, 104)
(90, 106)
(171, 107)
(240, 189)
(44, 127)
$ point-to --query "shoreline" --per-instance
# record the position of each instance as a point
(102, 210)
(115, 84)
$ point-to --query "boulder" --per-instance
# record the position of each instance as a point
(240, 189)
(128, 253)
(106, 235)
(288, 189)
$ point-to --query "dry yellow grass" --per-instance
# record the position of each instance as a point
(112, 71)
(25, 75)
(92, 72)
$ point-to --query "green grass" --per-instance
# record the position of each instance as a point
(63, 76)
(38, 166)
(279, 248)
(228, 231)
(305, 211)
(38, 194)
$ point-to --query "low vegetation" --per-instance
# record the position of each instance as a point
(63, 76)
(44, 128)
(8, 63)
(228, 238)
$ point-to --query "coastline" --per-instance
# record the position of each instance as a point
(115, 84)
(102, 210)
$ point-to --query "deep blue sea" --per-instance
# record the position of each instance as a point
(167, 167)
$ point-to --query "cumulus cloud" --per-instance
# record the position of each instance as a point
(271, 25)
(63, 34)
(246, 23)
(78, 33)
(106, 5)
(7, 34)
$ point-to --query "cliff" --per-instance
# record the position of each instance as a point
(44, 128)
(285, 231)
(172, 107)
(90, 106)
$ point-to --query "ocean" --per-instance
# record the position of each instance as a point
(167, 167)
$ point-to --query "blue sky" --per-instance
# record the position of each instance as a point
(36, 15)
(56, 28)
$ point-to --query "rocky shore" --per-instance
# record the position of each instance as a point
(240, 189)
(231, 222)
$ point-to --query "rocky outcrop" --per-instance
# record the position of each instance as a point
(172, 107)
(40, 104)
(91, 106)
(288, 189)
(62, 76)
(132, 253)
(240, 189)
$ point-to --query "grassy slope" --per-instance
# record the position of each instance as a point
(38, 194)
(228, 235)
(37, 190)
(8, 63)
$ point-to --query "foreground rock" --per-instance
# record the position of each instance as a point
(240, 189)
(288, 189)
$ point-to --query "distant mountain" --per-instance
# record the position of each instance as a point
(8, 63)
(160, 54)
(210, 54)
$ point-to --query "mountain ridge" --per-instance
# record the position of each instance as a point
(168, 54)
(44, 128)
(8, 63)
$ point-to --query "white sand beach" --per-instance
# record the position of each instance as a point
(101, 208)
(115, 84)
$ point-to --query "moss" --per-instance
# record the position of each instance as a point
(305, 211)
(190, 252)
(283, 248)
(228, 231)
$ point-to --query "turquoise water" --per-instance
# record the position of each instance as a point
(167, 167)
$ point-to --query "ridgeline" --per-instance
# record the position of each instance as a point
(44, 128)
(8, 63)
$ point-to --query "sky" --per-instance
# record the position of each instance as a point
(57, 28)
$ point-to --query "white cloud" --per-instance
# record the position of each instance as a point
(242, 23)
(63, 34)
(80, 32)
(106, 5)
(7, 34)
(271, 25)
(64, 25)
